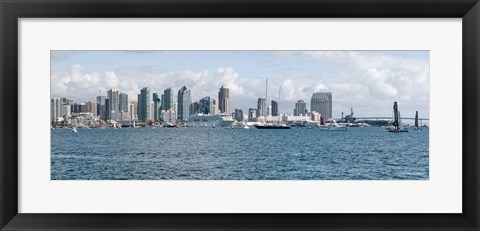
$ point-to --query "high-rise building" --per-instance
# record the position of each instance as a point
(144, 104)
(76, 108)
(252, 114)
(55, 108)
(214, 106)
(274, 108)
(238, 114)
(300, 108)
(321, 102)
(123, 102)
(194, 108)
(65, 111)
(184, 101)
(114, 106)
(262, 110)
(168, 99)
(152, 111)
(133, 107)
(224, 100)
(156, 106)
(101, 108)
(208, 105)
(108, 109)
(90, 107)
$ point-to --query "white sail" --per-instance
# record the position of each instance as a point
(400, 124)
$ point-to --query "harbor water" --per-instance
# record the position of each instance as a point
(238, 154)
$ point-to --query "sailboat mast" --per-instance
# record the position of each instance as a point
(416, 119)
(395, 115)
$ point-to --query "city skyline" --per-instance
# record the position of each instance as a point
(365, 80)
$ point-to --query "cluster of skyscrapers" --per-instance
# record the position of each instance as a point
(170, 107)
(149, 106)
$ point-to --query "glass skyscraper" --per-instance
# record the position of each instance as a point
(184, 101)
(156, 106)
(300, 108)
(224, 100)
(262, 110)
(123, 102)
(144, 104)
(168, 99)
(321, 102)
(274, 108)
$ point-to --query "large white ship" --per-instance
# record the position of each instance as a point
(202, 120)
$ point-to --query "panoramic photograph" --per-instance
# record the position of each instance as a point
(239, 114)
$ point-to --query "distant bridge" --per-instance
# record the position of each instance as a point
(387, 118)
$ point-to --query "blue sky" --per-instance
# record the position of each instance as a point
(368, 81)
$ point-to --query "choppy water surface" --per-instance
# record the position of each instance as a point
(238, 154)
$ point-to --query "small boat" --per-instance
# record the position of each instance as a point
(333, 127)
(239, 126)
(169, 125)
(74, 129)
(416, 122)
(397, 125)
(272, 126)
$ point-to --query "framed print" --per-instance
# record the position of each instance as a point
(264, 115)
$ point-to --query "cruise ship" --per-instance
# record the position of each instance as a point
(202, 120)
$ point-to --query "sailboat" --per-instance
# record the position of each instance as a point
(397, 125)
(416, 122)
(331, 126)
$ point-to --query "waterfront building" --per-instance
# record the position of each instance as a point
(101, 107)
(194, 108)
(114, 101)
(252, 114)
(132, 107)
(156, 106)
(315, 116)
(144, 104)
(168, 116)
(90, 107)
(65, 111)
(108, 110)
(300, 108)
(208, 105)
(238, 114)
(262, 110)
(151, 110)
(204, 105)
(184, 101)
(214, 107)
(123, 102)
(274, 108)
(76, 108)
(168, 99)
(55, 107)
(224, 100)
(321, 102)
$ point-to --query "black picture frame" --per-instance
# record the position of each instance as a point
(12, 10)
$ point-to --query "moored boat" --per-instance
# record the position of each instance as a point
(272, 126)
(333, 127)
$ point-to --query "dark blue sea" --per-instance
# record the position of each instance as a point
(238, 154)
